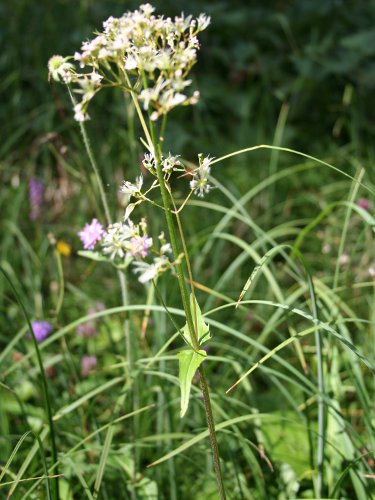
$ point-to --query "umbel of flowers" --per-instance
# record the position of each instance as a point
(124, 244)
(150, 54)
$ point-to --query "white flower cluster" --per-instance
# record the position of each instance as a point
(199, 184)
(126, 240)
(130, 243)
(158, 51)
(169, 163)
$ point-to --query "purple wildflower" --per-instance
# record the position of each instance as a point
(88, 364)
(364, 203)
(91, 234)
(36, 193)
(41, 329)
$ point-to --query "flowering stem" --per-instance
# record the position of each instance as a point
(189, 319)
(174, 242)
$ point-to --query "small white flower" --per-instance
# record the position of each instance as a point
(195, 97)
(96, 78)
(193, 42)
(170, 162)
(166, 248)
(103, 53)
(79, 114)
(203, 21)
(200, 184)
(59, 68)
(149, 161)
(115, 242)
(130, 62)
(67, 76)
(130, 188)
(147, 9)
(149, 271)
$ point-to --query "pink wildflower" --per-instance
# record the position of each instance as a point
(91, 234)
(88, 364)
(364, 203)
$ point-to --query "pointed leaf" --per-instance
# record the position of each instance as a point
(189, 362)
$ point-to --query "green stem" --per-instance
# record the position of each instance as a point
(174, 242)
(93, 163)
(187, 260)
(138, 110)
(189, 319)
(211, 428)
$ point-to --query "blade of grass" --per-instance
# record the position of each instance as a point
(202, 435)
(29, 457)
(47, 401)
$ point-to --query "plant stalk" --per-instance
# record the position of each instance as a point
(189, 319)
(211, 428)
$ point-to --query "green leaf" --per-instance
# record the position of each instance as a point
(98, 257)
(201, 327)
(189, 362)
(90, 254)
